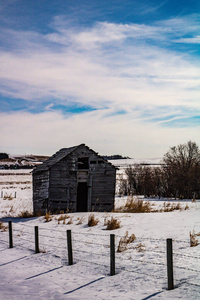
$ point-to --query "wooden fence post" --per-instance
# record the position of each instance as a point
(69, 247)
(112, 254)
(10, 235)
(37, 250)
(170, 275)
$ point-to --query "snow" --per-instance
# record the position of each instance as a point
(141, 271)
(136, 161)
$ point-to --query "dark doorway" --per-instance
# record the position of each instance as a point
(82, 196)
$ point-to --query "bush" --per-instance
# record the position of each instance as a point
(113, 224)
(92, 221)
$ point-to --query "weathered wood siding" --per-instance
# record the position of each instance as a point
(63, 186)
(40, 191)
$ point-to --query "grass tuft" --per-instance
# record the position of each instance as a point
(135, 205)
(80, 221)
(3, 227)
(70, 221)
(63, 218)
(125, 241)
(193, 241)
(140, 247)
(8, 197)
(92, 221)
(26, 214)
(48, 217)
(112, 224)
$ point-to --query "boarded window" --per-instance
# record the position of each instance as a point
(83, 163)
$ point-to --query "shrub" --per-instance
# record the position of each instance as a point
(92, 221)
(113, 224)
(124, 241)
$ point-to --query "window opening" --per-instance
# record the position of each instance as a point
(83, 163)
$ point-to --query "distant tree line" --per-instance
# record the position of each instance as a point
(178, 177)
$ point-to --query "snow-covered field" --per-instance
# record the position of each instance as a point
(140, 270)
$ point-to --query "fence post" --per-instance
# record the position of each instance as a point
(69, 247)
(112, 254)
(170, 275)
(10, 235)
(37, 250)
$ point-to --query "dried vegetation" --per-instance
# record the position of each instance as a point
(125, 241)
(112, 224)
(92, 221)
(3, 227)
(193, 240)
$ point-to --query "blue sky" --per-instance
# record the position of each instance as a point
(121, 76)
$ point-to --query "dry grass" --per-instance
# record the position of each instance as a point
(167, 207)
(186, 207)
(63, 218)
(48, 217)
(135, 205)
(112, 224)
(8, 197)
(140, 247)
(92, 221)
(80, 221)
(193, 241)
(125, 241)
(26, 214)
(3, 227)
(70, 221)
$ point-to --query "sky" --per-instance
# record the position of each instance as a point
(123, 77)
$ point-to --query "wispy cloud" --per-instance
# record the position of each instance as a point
(116, 77)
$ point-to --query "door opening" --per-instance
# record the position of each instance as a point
(82, 197)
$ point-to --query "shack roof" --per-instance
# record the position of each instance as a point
(62, 153)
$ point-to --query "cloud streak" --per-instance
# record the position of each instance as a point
(124, 76)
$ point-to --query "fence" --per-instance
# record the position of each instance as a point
(158, 260)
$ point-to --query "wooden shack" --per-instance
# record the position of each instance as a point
(74, 179)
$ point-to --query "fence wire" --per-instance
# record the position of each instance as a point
(97, 251)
